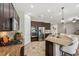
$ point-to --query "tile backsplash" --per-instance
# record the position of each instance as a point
(9, 34)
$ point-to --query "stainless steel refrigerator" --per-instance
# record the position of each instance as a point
(41, 33)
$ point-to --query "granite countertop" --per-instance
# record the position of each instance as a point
(13, 50)
(62, 40)
(13, 42)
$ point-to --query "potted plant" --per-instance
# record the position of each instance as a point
(18, 37)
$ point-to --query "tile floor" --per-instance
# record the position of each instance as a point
(37, 48)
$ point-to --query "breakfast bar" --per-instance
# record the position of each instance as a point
(51, 40)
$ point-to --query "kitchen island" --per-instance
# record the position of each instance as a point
(50, 41)
(13, 50)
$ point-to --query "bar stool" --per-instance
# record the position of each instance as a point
(70, 49)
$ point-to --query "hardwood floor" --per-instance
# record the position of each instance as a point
(37, 48)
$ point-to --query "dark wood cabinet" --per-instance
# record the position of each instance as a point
(34, 39)
(47, 34)
(1, 15)
(35, 24)
(7, 12)
(1, 11)
(41, 24)
(22, 51)
(46, 25)
(49, 48)
(11, 11)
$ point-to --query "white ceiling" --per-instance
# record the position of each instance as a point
(38, 11)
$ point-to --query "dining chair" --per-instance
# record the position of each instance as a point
(70, 49)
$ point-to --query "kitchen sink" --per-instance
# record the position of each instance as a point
(13, 42)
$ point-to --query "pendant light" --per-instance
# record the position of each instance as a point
(62, 20)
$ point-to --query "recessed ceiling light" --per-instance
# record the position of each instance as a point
(48, 10)
(32, 6)
(77, 5)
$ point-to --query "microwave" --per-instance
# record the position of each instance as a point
(13, 24)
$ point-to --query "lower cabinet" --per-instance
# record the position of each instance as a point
(22, 51)
(46, 35)
(5, 25)
(49, 48)
(34, 38)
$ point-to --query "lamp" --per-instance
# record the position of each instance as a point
(62, 20)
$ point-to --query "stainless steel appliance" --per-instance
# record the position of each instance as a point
(34, 32)
(41, 33)
(38, 32)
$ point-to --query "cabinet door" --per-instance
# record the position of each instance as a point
(46, 25)
(1, 16)
(17, 18)
(33, 23)
(11, 11)
(39, 24)
(36, 24)
(6, 25)
(1, 11)
(49, 48)
(18, 21)
(6, 11)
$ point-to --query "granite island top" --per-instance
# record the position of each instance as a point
(62, 40)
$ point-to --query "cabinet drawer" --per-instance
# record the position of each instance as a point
(34, 38)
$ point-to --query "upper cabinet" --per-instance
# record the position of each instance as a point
(1, 15)
(6, 11)
(41, 24)
(11, 11)
(46, 25)
(7, 16)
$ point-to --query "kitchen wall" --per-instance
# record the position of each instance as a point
(70, 28)
(77, 25)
